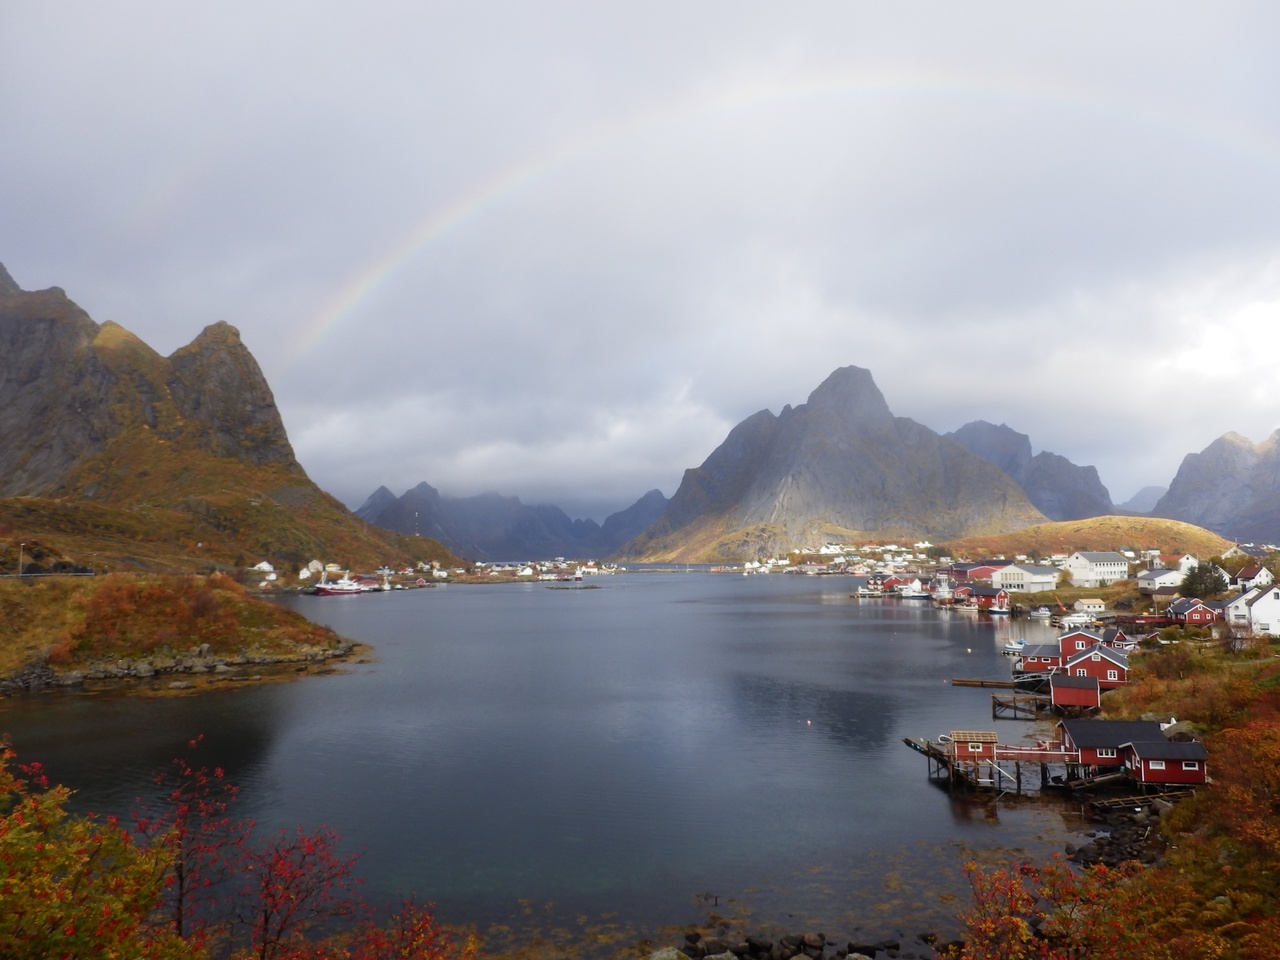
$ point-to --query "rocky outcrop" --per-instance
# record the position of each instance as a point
(1232, 487)
(840, 465)
(1058, 488)
(72, 389)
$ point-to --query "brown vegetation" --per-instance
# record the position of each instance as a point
(1096, 533)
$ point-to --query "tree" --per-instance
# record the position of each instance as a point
(191, 818)
(289, 884)
(1203, 580)
(73, 886)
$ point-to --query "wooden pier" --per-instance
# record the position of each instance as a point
(997, 768)
(962, 682)
(1020, 706)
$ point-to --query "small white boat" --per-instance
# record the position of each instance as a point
(1040, 613)
(1014, 647)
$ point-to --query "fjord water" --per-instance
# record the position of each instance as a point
(642, 749)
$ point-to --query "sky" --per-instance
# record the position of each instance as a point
(557, 250)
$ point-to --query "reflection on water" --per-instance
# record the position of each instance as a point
(620, 750)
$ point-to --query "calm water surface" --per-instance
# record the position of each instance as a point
(634, 750)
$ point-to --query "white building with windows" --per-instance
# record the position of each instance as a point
(1025, 578)
(1096, 568)
(1255, 612)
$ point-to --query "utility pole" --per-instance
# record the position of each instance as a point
(20, 546)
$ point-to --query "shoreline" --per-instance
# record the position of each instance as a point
(171, 676)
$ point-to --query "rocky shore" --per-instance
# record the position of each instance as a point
(196, 669)
(1131, 834)
(806, 946)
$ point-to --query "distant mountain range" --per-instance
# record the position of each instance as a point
(839, 467)
(183, 461)
(124, 457)
(493, 527)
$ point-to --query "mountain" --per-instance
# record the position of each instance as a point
(1231, 487)
(112, 452)
(494, 527)
(840, 466)
(1055, 486)
(1144, 501)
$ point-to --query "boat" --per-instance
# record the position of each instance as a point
(1040, 613)
(998, 610)
(342, 587)
(1014, 647)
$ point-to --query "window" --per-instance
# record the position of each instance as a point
(1096, 657)
(1190, 764)
(975, 748)
(1081, 672)
(1113, 674)
(1104, 752)
(1157, 764)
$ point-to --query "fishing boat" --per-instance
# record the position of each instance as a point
(342, 587)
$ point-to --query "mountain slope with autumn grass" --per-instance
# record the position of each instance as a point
(112, 456)
(1096, 533)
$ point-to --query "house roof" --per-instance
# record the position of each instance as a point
(1063, 680)
(1163, 749)
(1041, 650)
(975, 736)
(1109, 556)
(1110, 733)
(1107, 653)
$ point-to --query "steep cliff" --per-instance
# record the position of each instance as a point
(1232, 487)
(178, 461)
(1056, 487)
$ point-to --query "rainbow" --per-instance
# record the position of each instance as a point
(743, 99)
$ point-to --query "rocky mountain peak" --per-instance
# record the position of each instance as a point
(851, 394)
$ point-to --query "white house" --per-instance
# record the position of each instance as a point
(1149, 581)
(1252, 575)
(1096, 568)
(1090, 605)
(1025, 578)
(1255, 612)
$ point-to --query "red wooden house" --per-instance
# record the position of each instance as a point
(1039, 658)
(1074, 694)
(1109, 667)
(1164, 762)
(988, 598)
(973, 745)
(1098, 742)
(1192, 611)
(1072, 641)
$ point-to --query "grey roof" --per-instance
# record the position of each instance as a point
(1065, 680)
(1111, 733)
(1041, 650)
(1109, 556)
(1168, 750)
(1107, 653)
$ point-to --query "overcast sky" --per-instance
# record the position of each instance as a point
(557, 250)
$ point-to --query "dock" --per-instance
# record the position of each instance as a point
(962, 682)
(1020, 706)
